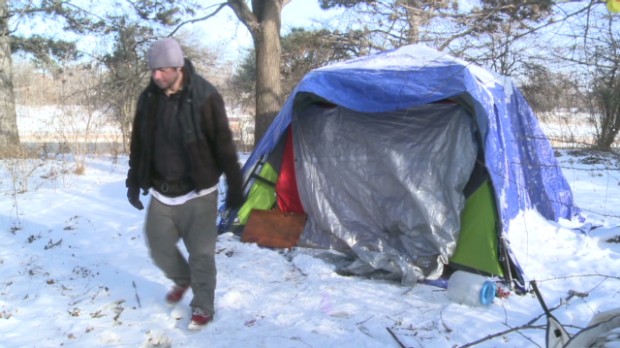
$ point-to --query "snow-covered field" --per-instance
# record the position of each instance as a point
(74, 272)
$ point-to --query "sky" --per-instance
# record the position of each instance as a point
(75, 272)
(223, 32)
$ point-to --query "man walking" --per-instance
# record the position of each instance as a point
(181, 143)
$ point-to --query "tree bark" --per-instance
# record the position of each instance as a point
(264, 22)
(609, 119)
(9, 136)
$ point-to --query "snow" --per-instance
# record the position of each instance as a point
(70, 123)
(415, 55)
(410, 56)
(75, 272)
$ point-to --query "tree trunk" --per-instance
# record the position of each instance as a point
(9, 137)
(263, 22)
(605, 101)
(610, 123)
(268, 55)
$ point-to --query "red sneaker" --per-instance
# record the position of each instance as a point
(176, 294)
(200, 318)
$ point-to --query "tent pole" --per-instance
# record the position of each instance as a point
(505, 259)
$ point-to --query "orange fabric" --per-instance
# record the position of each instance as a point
(273, 228)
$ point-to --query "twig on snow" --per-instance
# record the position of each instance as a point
(400, 343)
(135, 288)
(501, 333)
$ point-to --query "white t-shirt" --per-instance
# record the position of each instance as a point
(181, 199)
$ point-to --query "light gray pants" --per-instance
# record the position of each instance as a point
(194, 223)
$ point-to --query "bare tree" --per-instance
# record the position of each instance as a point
(44, 50)
(126, 74)
(302, 50)
(263, 21)
(9, 136)
(548, 90)
(589, 49)
(484, 26)
(604, 93)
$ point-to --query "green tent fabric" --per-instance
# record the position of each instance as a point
(477, 245)
(262, 195)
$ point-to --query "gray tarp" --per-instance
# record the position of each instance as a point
(386, 188)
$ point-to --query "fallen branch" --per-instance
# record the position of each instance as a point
(501, 333)
(50, 244)
(400, 343)
(136, 291)
(529, 325)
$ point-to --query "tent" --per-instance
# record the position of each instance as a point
(410, 163)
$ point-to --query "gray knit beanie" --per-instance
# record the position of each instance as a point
(165, 53)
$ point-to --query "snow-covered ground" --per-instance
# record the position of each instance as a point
(75, 272)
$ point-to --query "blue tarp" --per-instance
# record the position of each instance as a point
(519, 159)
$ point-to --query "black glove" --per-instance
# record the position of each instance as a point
(234, 199)
(133, 195)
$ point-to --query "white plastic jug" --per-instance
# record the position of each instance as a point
(471, 289)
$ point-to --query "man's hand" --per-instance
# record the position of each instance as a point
(234, 199)
(133, 195)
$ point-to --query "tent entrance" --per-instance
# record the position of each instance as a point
(477, 246)
(402, 193)
(387, 188)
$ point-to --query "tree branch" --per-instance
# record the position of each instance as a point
(245, 15)
(219, 7)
